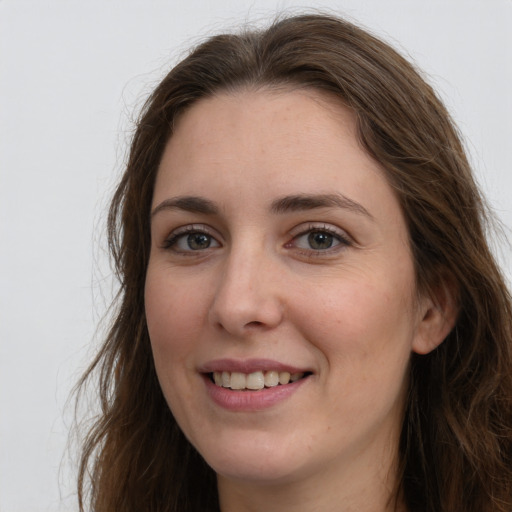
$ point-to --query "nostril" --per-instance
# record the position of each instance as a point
(254, 324)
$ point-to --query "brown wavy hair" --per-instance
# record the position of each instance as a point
(456, 440)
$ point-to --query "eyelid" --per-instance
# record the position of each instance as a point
(171, 239)
(344, 239)
(306, 227)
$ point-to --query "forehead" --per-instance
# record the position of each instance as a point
(279, 133)
(267, 108)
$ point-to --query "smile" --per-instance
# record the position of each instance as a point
(254, 381)
(249, 385)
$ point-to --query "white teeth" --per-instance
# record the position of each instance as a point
(254, 381)
(226, 379)
(284, 377)
(238, 380)
(271, 379)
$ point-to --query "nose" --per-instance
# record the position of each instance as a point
(248, 296)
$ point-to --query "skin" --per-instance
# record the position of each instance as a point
(349, 313)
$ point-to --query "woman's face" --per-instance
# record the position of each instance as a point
(278, 249)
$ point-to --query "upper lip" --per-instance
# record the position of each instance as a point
(249, 366)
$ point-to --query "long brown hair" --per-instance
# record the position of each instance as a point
(456, 442)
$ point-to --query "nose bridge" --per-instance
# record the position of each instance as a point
(246, 296)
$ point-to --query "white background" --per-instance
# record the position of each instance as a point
(72, 72)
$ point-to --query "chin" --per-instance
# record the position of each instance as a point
(247, 466)
(258, 464)
(257, 473)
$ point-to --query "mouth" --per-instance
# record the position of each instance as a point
(254, 381)
(251, 385)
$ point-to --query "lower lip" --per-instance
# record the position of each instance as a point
(247, 400)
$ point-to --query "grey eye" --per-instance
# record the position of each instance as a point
(191, 241)
(198, 241)
(319, 240)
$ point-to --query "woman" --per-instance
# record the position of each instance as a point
(309, 314)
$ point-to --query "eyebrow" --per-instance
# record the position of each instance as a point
(187, 203)
(291, 203)
(303, 202)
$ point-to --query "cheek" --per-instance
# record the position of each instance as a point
(365, 336)
(360, 323)
(174, 314)
(173, 319)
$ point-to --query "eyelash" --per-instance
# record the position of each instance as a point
(193, 229)
(343, 240)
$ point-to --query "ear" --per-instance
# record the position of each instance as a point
(437, 314)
